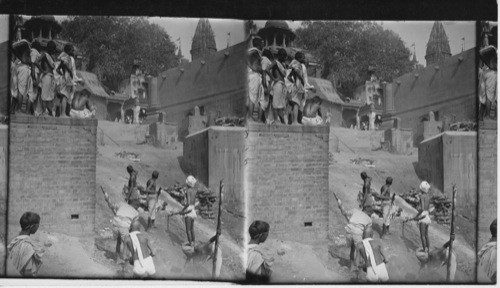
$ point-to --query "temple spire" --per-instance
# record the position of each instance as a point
(203, 41)
(438, 47)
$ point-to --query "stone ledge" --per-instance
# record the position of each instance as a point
(258, 127)
(47, 120)
(488, 125)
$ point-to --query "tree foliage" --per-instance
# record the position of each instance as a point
(110, 44)
(347, 49)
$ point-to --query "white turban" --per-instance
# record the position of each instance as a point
(190, 181)
(424, 187)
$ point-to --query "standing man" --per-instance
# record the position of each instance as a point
(386, 197)
(487, 256)
(47, 80)
(279, 89)
(70, 78)
(23, 75)
(296, 76)
(487, 81)
(367, 198)
(423, 216)
(373, 254)
(141, 250)
(255, 73)
(152, 198)
(132, 191)
(189, 210)
(25, 253)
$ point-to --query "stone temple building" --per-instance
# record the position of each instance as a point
(203, 45)
(438, 47)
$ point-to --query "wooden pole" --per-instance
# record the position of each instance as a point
(214, 264)
(110, 205)
(452, 234)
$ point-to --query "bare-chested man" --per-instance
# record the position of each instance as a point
(386, 196)
(152, 197)
(189, 210)
(366, 197)
(279, 89)
(296, 76)
(141, 250)
(311, 116)
(423, 216)
(359, 221)
(81, 107)
(132, 193)
(372, 252)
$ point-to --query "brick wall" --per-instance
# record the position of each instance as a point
(286, 180)
(487, 184)
(52, 166)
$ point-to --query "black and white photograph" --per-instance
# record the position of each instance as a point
(241, 151)
(361, 161)
(100, 108)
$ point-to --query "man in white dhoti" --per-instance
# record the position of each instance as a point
(372, 252)
(142, 252)
(255, 82)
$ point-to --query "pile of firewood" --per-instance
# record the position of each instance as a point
(412, 197)
(230, 121)
(178, 192)
(207, 199)
(464, 126)
(442, 209)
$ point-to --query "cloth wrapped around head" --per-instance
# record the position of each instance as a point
(424, 187)
(191, 181)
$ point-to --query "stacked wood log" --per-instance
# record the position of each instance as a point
(463, 126)
(177, 192)
(412, 197)
(230, 121)
(442, 209)
(206, 198)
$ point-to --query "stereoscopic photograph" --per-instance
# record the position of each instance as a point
(99, 110)
(248, 151)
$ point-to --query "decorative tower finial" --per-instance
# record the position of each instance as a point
(203, 41)
(438, 47)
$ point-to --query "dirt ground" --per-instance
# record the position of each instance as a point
(345, 181)
(294, 262)
(94, 257)
(403, 266)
